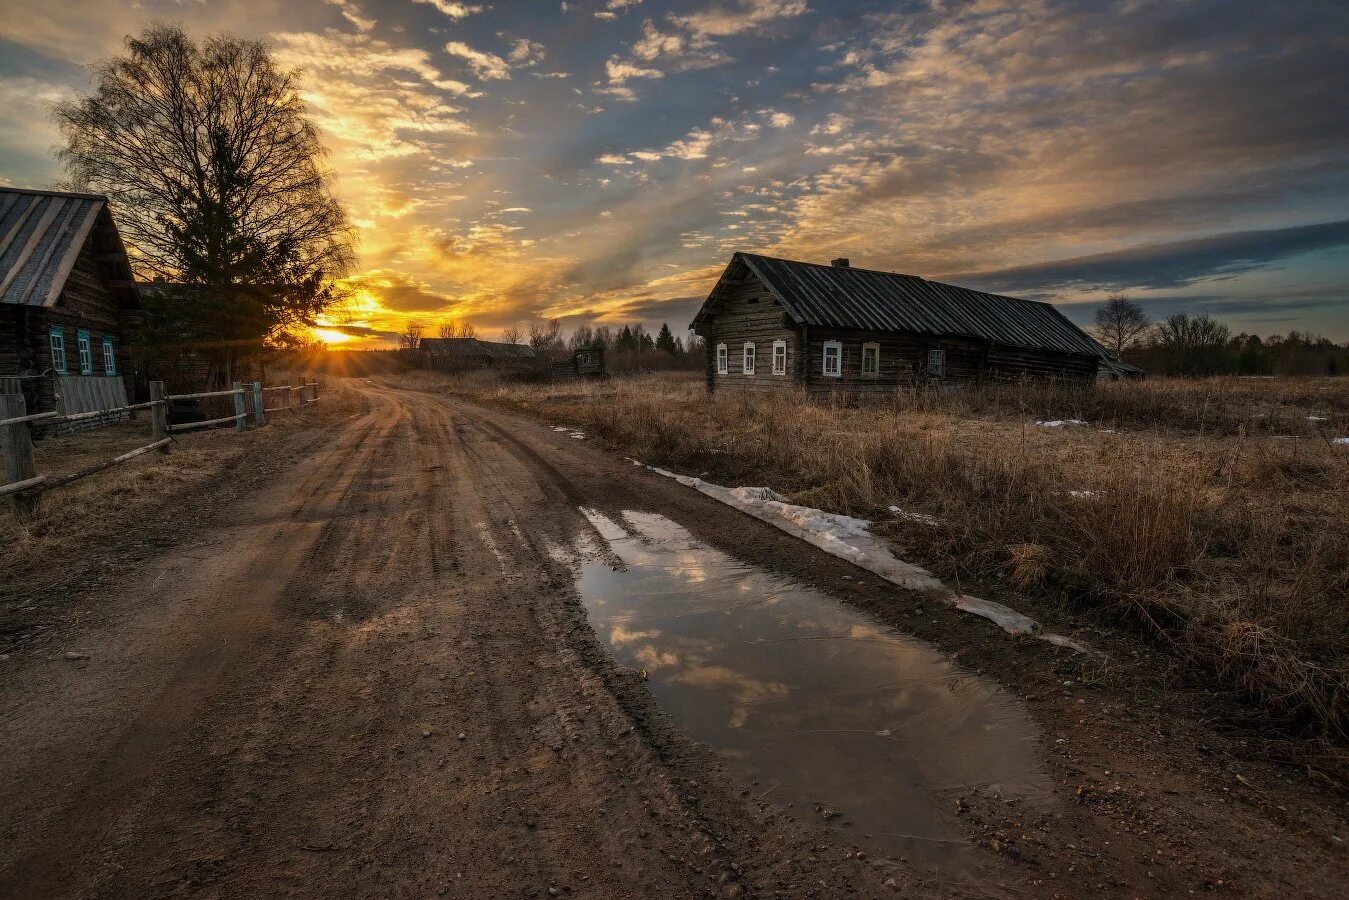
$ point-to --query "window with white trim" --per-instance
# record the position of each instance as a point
(86, 351)
(109, 357)
(56, 340)
(749, 358)
(779, 357)
(833, 359)
(723, 363)
(936, 363)
(871, 360)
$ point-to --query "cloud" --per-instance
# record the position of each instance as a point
(487, 66)
(724, 20)
(452, 9)
(352, 13)
(1169, 265)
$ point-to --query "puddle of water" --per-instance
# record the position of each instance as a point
(822, 706)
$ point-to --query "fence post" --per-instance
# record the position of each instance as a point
(16, 446)
(259, 414)
(285, 384)
(316, 387)
(159, 414)
(304, 389)
(240, 420)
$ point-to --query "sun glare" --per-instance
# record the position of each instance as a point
(331, 336)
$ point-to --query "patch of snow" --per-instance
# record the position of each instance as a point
(1061, 423)
(851, 539)
(1006, 618)
(1083, 494)
(561, 428)
(1316, 418)
(1343, 440)
(1109, 431)
(1059, 640)
(578, 435)
(920, 518)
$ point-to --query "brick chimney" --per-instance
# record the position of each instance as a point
(840, 263)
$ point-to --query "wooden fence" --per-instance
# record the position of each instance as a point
(23, 484)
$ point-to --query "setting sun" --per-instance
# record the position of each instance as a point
(331, 336)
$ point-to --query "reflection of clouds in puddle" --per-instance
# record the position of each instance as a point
(796, 689)
(621, 635)
(744, 690)
(652, 658)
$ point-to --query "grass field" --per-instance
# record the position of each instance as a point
(1210, 513)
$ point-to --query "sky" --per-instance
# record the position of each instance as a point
(600, 160)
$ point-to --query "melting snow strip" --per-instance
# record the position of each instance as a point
(1061, 423)
(851, 539)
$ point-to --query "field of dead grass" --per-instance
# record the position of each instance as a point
(1211, 513)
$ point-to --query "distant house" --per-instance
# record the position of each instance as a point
(67, 301)
(585, 362)
(463, 354)
(774, 324)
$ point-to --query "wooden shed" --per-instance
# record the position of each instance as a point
(777, 324)
(67, 301)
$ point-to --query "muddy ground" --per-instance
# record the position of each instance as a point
(352, 667)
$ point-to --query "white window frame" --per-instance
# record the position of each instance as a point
(56, 343)
(747, 358)
(834, 349)
(109, 357)
(875, 371)
(936, 363)
(84, 345)
(779, 357)
(723, 360)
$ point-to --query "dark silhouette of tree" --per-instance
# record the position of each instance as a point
(457, 328)
(665, 341)
(545, 336)
(1194, 345)
(217, 175)
(411, 338)
(1120, 323)
(512, 334)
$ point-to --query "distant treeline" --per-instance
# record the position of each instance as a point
(1195, 346)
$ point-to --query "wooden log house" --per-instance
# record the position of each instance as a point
(775, 324)
(67, 301)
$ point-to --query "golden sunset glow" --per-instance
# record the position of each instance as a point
(600, 161)
(330, 337)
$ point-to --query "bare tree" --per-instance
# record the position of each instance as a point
(456, 328)
(512, 334)
(217, 174)
(1194, 346)
(411, 338)
(1119, 323)
(545, 335)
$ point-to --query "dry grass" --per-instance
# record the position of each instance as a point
(1213, 513)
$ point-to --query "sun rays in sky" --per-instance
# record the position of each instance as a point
(600, 160)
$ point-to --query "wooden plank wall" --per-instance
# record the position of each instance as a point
(751, 314)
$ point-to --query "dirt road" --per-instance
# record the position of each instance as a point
(373, 677)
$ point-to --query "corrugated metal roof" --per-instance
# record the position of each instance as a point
(41, 233)
(844, 297)
(464, 348)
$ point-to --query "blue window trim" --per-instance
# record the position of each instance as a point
(82, 334)
(109, 356)
(60, 367)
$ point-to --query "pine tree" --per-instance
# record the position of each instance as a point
(665, 341)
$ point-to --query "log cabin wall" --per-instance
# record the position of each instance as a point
(750, 315)
(85, 304)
